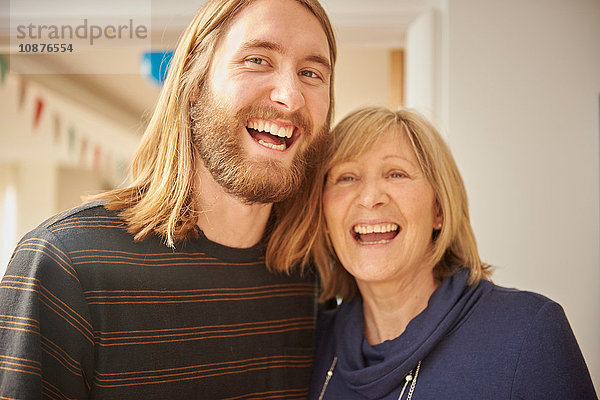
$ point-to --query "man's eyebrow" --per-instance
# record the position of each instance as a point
(274, 46)
(320, 60)
(264, 44)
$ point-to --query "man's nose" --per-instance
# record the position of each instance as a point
(372, 194)
(287, 91)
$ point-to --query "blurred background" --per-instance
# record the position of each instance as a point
(514, 87)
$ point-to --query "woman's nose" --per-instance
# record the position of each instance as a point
(372, 194)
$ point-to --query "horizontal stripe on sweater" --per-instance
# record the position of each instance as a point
(132, 378)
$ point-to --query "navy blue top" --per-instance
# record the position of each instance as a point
(475, 342)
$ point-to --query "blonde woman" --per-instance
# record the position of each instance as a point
(419, 317)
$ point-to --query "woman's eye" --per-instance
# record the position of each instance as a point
(346, 178)
(397, 175)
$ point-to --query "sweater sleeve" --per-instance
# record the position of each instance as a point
(550, 364)
(46, 338)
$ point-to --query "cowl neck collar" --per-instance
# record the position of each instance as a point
(374, 371)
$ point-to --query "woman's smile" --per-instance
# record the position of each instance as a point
(375, 233)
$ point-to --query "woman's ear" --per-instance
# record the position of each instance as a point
(438, 221)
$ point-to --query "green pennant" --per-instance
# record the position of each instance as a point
(3, 68)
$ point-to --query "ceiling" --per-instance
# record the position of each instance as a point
(110, 80)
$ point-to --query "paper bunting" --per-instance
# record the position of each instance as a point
(3, 68)
(39, 108)
(71, 140)
(97, 163)
(22, 92)
(83, 150)
(47, 118)
(56, 120)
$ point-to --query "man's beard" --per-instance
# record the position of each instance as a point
(216, 137)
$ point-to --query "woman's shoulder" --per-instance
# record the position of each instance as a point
(518, 296)
(550, 363)
(518, 304)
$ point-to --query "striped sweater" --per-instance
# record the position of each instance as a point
(86, 312)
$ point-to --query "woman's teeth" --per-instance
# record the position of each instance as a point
(375, 233)
(377, 228)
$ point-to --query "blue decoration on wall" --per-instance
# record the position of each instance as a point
(155, 65)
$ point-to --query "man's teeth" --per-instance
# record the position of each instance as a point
(280, 147)
(272, 128)
(377, 228)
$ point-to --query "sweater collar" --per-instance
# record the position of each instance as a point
(374, 371)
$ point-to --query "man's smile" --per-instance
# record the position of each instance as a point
(272, 134)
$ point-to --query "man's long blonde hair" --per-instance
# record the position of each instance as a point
(161, 197)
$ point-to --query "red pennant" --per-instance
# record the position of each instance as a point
(97, 158)
(39, 107)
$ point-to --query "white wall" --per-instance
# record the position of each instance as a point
(523, 122)
(74, 183)
(361, 78)
(423, 70)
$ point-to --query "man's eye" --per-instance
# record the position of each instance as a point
(257, 60)
(309, 74)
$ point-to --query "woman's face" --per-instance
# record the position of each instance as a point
(380, 212)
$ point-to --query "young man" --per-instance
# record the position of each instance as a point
(161, 290)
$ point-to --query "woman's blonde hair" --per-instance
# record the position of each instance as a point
(160, 198)
(452, 246)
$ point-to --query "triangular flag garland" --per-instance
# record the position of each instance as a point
(79, 147)
(3, 68)
(22, 91)
(56, 128)
(97, 163)
(83, 150)
(71, 140)
(39, 108)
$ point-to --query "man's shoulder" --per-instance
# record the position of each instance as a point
(87, 211)
(80, 224)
